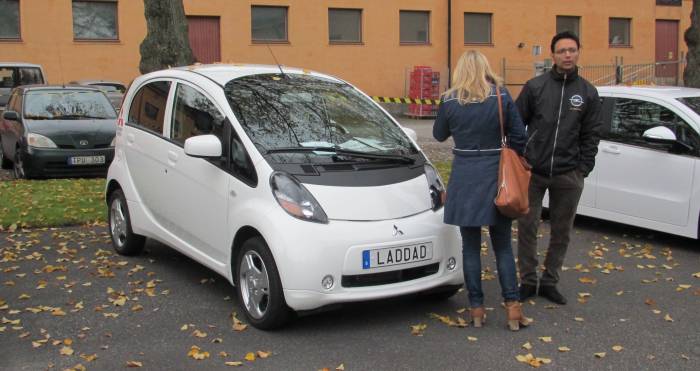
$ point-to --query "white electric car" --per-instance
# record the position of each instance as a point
(294, 185)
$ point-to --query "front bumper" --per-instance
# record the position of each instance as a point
(51, 162)
(337, 250)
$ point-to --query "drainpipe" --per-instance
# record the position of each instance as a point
(449, 44)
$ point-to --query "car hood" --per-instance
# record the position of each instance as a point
(75, 133)
(391, 201)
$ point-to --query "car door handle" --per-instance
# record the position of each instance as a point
(172, 157)
(612, 149)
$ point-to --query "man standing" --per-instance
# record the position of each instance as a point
(562, 114)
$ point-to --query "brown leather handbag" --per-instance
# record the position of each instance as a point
(513, 177)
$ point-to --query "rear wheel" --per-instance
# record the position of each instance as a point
(4, 162)
(124, 240)
(258, 286)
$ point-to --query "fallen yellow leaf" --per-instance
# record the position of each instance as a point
(546, 339)
(563, 349)
(418, 329)
(587, 280)
(66, 351)
(237, 324)
(527, 346)
(599, 355)
(133, 364)
(578, 319)
(340, 367)
(88, 357)
(233, 363)
(617, 348)
(197, 353)
(199, 334)
(250, 356)
(472, 338)
(668, 318)
(263, 355)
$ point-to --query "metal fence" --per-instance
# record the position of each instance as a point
(659, 73)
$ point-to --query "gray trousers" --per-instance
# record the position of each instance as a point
(564, 194)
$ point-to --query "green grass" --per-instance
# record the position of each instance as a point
(60, 202)
(49, 203)
(444, 168)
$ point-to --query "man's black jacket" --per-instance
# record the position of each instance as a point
(562, 115)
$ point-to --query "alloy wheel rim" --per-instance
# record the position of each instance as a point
(254, 284)
(117, 223)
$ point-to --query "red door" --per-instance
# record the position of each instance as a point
(205, 38)
(667, 48)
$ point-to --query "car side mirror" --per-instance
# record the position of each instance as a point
(659, 134)
(10, 116)
(203, 146)
(411, 133)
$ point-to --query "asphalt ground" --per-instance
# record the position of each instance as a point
(66, 300)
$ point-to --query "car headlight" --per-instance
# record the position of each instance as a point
(436, 189)
(39, 141)
(295, 199)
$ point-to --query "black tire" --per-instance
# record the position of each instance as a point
(268, 310)
(124, 240)
(4, 162)
(441, 293)
(18, 166)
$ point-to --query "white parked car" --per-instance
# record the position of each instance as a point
(647, 170)
(293, 185)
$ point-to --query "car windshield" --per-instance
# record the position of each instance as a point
(692, 103)
(67, 105)
(11, 77)
(282, 113)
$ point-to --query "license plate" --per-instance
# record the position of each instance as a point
(389, 256)
(86, 160)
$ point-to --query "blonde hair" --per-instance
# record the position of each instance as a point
(472, 79)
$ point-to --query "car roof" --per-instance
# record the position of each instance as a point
(667, 92)
(223, 73)
(18, 64)
(95, 82)
(36, 87)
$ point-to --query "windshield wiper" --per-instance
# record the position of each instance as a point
(32, 117)
(73, 117)
(344, 152)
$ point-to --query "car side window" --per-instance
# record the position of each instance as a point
(241, 164)
(147, 109)
(194, 114)
(632, 117)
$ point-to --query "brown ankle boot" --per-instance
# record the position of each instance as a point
(477, 316)
(515, 316)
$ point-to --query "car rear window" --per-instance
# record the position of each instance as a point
(67, 105)
(11, 77)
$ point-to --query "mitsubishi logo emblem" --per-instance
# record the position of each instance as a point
(83, 142)
(397, 231)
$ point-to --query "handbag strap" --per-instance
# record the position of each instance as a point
(500, 118)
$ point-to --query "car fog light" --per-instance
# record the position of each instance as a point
(327, 282)
(451, 263)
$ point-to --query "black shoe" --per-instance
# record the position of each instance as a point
(527, 291)
(551, 294)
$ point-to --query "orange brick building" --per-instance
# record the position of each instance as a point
(369, 43)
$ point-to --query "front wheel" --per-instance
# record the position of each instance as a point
(124, 240)
(258, 286)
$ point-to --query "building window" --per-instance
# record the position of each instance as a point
(414, 26)
(345, 25)
(269, 23)
(620, 32)
(95, 20)
(9, 19)
(569, 23)
(477, 28)
(670, 2)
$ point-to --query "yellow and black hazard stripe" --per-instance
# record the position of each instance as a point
(405, 100)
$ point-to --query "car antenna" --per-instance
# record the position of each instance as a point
(275, 59)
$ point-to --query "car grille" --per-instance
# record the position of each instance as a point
(384, 278)
(94, 146)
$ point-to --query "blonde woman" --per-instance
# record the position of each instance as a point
(469, 113)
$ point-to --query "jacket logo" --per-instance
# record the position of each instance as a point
(576, 100)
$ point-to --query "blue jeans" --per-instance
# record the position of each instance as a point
(471, 255)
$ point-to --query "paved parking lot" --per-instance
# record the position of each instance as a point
(67, 300)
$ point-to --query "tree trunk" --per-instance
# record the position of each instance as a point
(167, 43)
(691, 74)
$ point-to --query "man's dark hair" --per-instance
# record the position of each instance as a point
(565, 35)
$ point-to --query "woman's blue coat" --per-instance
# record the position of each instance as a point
(477, 136)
